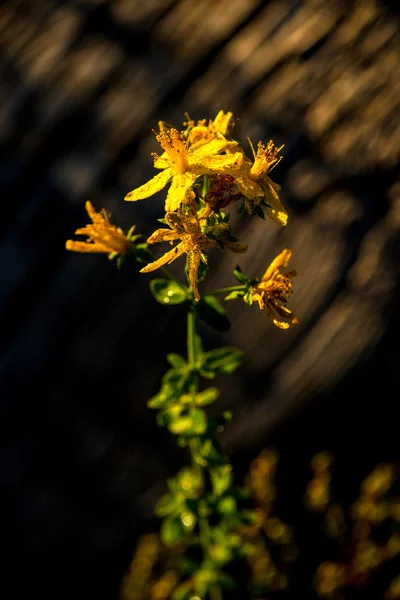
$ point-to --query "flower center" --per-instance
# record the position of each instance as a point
(175, 146)
(264, 159)
(277, 287)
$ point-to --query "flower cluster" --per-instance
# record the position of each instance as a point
(203, 149)
(206, 154)
(206, 170)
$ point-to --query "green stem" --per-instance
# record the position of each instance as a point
(232, 288)
(167, 274)
(204, 534)
(191, 352)
(215, 593)
(191, 338)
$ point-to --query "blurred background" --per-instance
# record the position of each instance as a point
(82, 85)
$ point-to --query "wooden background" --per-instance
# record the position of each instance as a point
(82, 83)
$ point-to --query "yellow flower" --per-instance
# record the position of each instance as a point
(330, 577)
(182, 164)
(186, 227)
(272, 290)
(254, 183)
(102, 236)
(222, 126)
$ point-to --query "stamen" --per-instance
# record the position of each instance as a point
(264, 160)
(174, 145)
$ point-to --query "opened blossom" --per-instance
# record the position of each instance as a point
(272, 290)
(255, 184)
(102, 236)
(182, 163)
(193, 242)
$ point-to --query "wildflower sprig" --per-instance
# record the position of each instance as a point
(207, 172)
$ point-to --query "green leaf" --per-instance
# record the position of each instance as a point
(222, 360)
(172, 378)
(235, 294)
(158, 401)
(166, 505)
(187, 483)
(260, 212)
(202, 272)
(211, 312)
(223, 418)
(248, 298)
(167, 291)
(183, 591)
(205, 185)
(199, 421)
(221, 479)
(162, 418)
(227, 506)
(240, 276)
(142, 253)
(220, 554)
(206, 397)
(176, 360)
(247, 517)
(176, 382)
(209, 454)
(172, 530)
(194, 423)
(169, 416)
(181, 425)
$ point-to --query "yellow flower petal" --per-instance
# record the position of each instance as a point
(277, 211)
(162, 235)
(151, 187)
(167, 258)
(249, 188)
(211, 148)
(180, 190)
(224, 123)
(86, 248)
(280, 261)
(161, 162)
(280, 324)
(221, 163)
